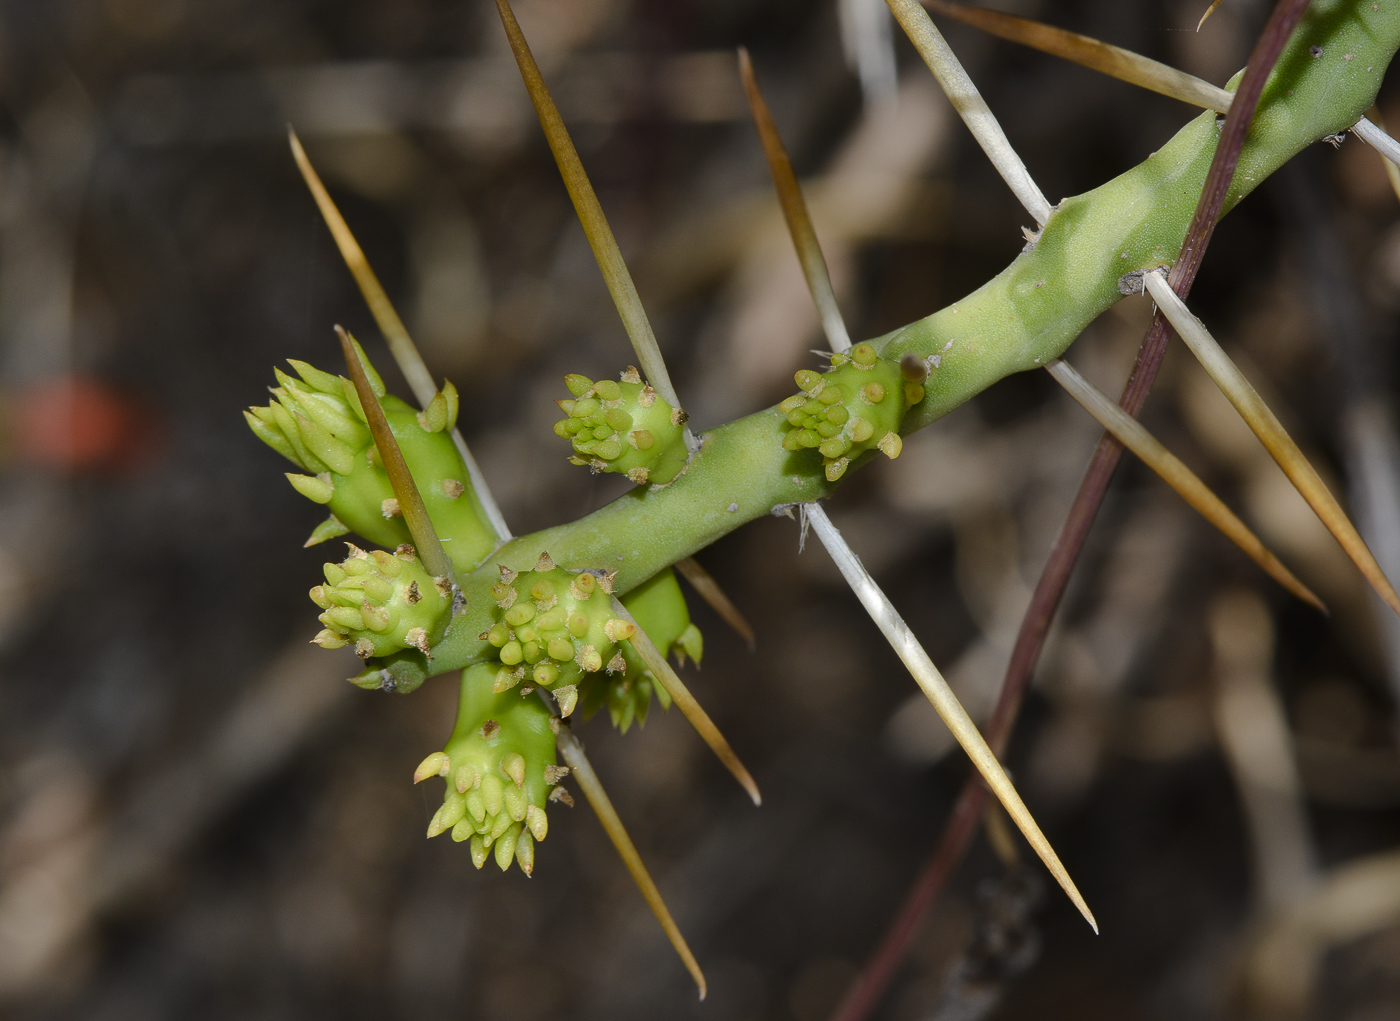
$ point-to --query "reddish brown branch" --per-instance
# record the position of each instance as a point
(870, 986)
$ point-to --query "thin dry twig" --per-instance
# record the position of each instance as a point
(396, 335)
(700, 579)
(971, 107)
(1103, 57)
(926, 675)
(415, 514)
(1132, 434)
(592, 788)
(799, 221)
(691, 709)
(590, 213)
(1271, 433)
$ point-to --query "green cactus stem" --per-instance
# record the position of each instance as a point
(623, 427)
(381, 603)
(627, 685)
(317, 423)
(500, 769)
(855, 406)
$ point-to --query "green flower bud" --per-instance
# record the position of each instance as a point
(383, 603)
(500, 766)
(624, 427)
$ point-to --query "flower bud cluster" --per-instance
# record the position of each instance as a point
(381, 603)
(854, 406)
(623, 427)
(317, 423)
(500, 769)
(553, 628)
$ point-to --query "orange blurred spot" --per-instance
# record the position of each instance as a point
(79, 423)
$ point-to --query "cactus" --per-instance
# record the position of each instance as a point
(317, 423)
(623, 427)
(528, 622)
(499, 765)
(381, 603)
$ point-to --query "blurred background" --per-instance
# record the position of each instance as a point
(200, 818)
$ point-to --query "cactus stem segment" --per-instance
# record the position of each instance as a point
(1266, 426)
(496, 770)
(602, 806)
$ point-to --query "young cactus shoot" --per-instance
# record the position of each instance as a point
(499, 765)
(318, 424)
